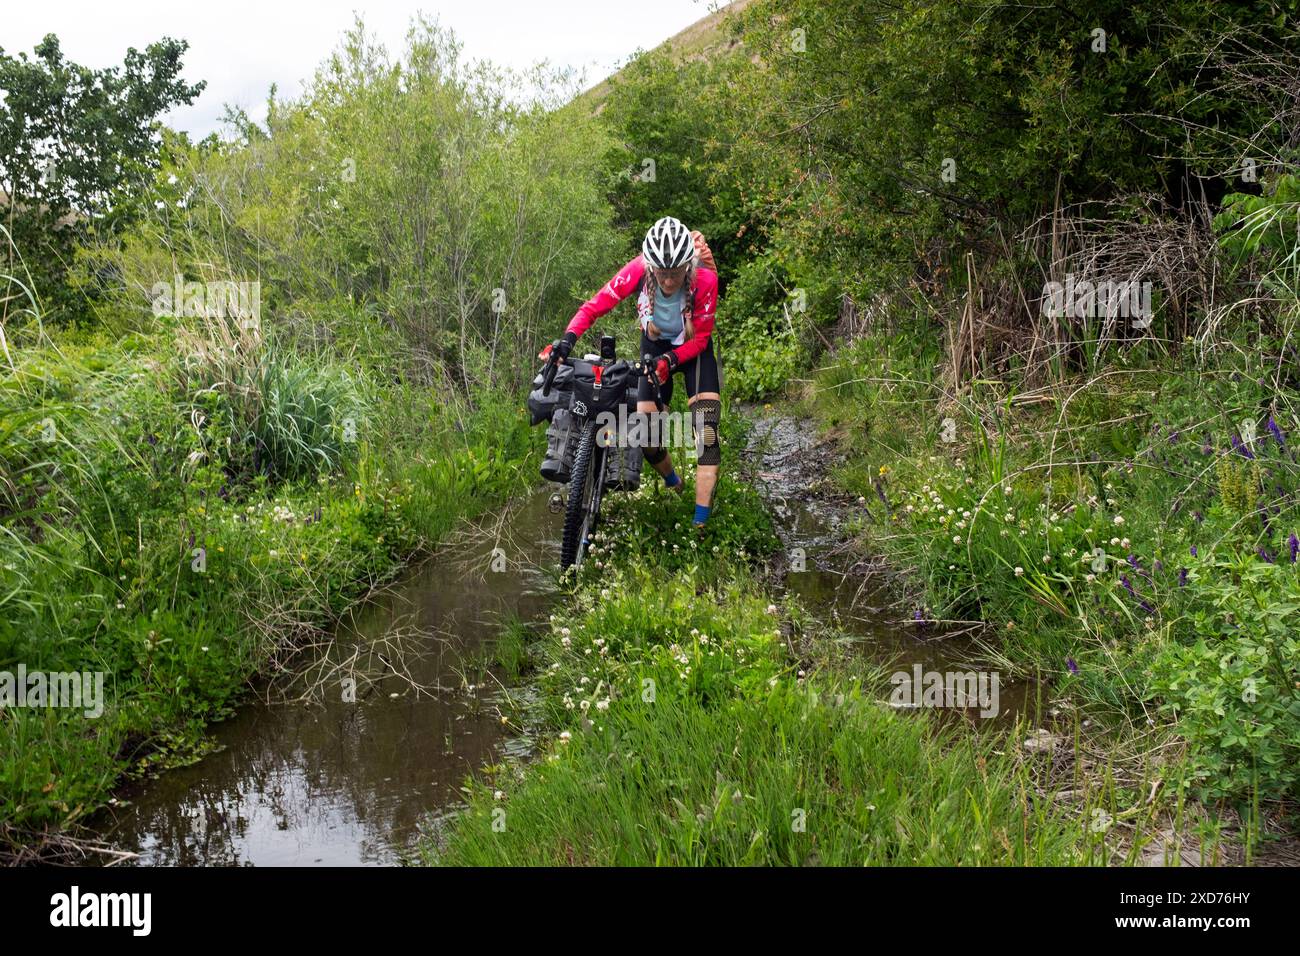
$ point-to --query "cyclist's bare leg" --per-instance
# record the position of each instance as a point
(706, 476)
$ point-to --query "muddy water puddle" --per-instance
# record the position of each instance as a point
(332, 774)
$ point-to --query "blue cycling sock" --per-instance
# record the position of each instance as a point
(702, 513)
(671, 480)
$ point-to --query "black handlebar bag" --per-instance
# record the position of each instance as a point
(599, 388)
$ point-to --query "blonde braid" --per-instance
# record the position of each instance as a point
(688, 300)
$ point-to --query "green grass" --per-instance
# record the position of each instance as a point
(1105, 534)
(134, 543)
(681, 730)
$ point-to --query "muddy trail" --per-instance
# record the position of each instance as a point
(371, 740)
(791, 465)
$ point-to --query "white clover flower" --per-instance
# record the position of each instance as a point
(1119, 519)
(1019, 570)
(565, 736)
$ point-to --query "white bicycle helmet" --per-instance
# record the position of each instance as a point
(667, 245)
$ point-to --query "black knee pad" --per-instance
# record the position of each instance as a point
(655, 455)
(707, 414)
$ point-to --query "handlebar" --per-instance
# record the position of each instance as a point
(644, 368)
(552, 366)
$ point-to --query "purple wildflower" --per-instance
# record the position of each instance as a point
(1182, 577)
(1266, 556)
(1277, 432)
(1293, 543)
(1074, 668)
(1194, 554)
(1123, 579)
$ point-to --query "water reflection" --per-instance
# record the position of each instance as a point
(348, 783)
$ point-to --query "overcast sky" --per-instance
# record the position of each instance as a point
(241, 47)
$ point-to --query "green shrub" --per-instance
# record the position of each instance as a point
(1233, 679)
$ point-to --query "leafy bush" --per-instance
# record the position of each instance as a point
(1233, 680)
(758, 340)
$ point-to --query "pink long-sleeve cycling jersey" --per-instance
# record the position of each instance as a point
(628, 280)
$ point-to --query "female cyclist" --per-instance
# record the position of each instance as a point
(677, 295)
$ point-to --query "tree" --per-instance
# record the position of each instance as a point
(79, 149)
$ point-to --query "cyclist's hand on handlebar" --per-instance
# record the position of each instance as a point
(559, 349)
(663, 368)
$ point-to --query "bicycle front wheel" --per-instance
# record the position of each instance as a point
(584, 485)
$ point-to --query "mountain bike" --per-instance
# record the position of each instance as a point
(599, 386)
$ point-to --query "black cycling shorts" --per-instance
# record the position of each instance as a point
(701, 372)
